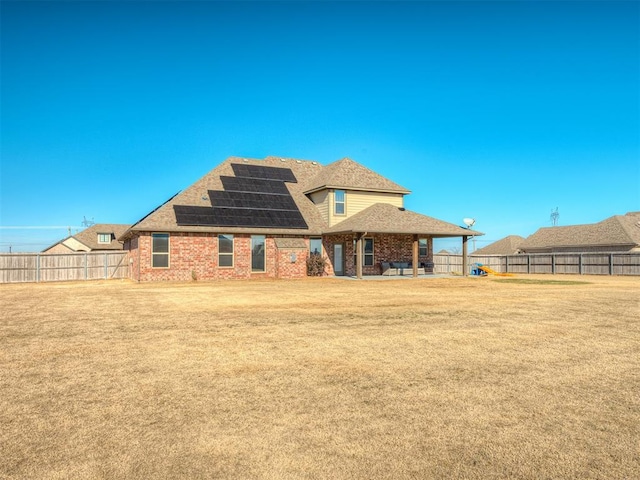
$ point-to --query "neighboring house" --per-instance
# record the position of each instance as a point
(98, 237)
(250, 218)
(507, 246)
(620, 233)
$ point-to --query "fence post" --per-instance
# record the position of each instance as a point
(611, 264)
(37, 267)
(106, 266)
(528, 264)
(86, 267)
(553, 263)
(580, 264)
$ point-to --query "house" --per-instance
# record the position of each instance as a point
(250, 218)
(620, 233)
(98, 237)
(506, 246)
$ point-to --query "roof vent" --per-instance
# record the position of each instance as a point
(283, 159)
(245, 159)
(314, 163)
(298, 161)
(401, 209)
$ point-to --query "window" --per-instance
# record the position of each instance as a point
(104, 238)
(368, 252)
(225, 250)
(367, 257)
(160, 250)
(339, 202)
(315, 246)
(423, 247)
(257, 253)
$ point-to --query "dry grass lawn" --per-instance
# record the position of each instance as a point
(322, 378)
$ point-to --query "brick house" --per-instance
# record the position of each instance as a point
(99, 237)
(250, 218)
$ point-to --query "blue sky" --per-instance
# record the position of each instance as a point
(501, 111)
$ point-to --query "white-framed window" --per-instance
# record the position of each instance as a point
(160, 250)
(367, 252)
(104, 238)
(339, 202)
(225, 250)
(423, 247)
(258, 256)
(315, 246)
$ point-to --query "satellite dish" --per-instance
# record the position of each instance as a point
(469, 222)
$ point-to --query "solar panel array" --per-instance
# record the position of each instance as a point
(255, 197)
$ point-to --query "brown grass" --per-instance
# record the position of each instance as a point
(322, 378)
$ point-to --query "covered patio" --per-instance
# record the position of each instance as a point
(384, 233)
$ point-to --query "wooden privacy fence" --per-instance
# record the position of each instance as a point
(43, 267)
(572, 263)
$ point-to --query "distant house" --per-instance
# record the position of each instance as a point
(96, 238)
(506, 246)
(620, 233)
(250, 218)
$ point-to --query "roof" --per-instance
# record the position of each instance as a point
(387, 218)
(347, 174)
(505, 246)
(288, 243)
(163, 219)
(89, 236)
(619, 230)
(310, 176)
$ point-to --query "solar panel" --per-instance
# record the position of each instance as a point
(256, 197)
(253, 185)
(251, 200)
(234, 217)
(264, 173)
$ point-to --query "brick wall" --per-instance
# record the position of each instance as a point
(196, 255)
(387, 248)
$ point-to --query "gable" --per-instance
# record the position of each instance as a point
(349, 175)
(235, 185)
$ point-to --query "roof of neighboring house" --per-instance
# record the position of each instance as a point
(506, 246)
(619, 230)
(347, 174)
(387, 218)
(89, 236)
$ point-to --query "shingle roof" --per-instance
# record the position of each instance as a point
(290, 243)
(505, 246)
(347, 174)
(386, 218)
(619, 230)
(163, 219)
(89, 236)
(310, 176)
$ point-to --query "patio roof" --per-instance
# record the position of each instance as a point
(386, 218)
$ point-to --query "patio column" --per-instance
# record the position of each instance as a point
(416, 256)
(465, 267)
(359, 255)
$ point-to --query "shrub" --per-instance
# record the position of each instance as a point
(316, 265)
